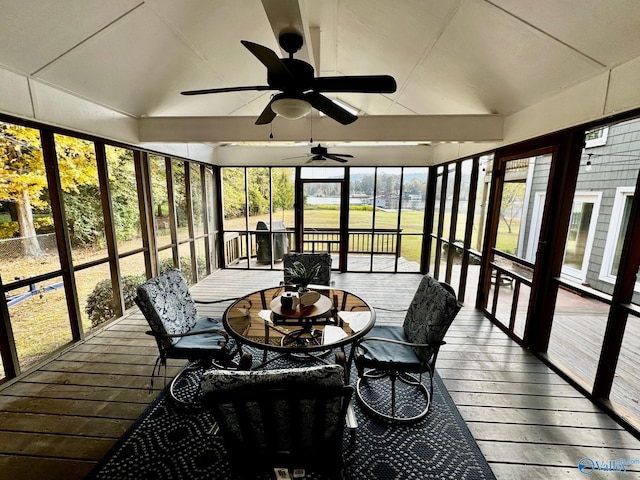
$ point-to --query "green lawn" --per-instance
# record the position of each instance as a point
(326, 216)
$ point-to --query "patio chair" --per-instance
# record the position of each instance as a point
(391, 353)
(309, 260)
(171, 313)
(282, 418)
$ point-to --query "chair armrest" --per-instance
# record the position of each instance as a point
(188, 334)
(400, 342)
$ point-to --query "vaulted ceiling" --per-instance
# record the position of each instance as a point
(484, 72)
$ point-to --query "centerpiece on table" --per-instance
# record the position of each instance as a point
(301, 277)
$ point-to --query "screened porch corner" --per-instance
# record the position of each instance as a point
(59, 420)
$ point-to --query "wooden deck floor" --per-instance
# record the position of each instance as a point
(59, 420)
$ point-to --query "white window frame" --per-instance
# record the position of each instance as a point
(574, 273)
(622, 193)
(600, 140)
(536, 221)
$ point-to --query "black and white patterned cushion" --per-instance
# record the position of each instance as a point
(430, 314)
(167, 305)
(228, 380)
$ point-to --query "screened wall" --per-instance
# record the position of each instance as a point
(82, 223)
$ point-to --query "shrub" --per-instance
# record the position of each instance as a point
(100, 307)
(43, 225)
(9, 229)
(364, 208)
(167, 264)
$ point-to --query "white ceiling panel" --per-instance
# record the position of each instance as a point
(382, 37)
(506, 64)
(34, 33)
(606, 30)
(136, 66)
(214, 31)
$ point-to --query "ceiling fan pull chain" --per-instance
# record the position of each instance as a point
(270, 130)
(311, 128)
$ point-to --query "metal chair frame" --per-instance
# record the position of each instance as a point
(401, 372)
(220, 355)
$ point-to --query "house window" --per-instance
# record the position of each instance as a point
(582, 229)
(617, 230)
(596, 138)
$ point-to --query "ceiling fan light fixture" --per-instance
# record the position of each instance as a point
(291, 108)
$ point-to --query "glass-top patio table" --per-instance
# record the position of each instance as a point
(336, 319)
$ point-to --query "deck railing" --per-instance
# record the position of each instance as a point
(381, 240)
(361, 241)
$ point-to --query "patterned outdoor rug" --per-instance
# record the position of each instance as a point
(167, 442)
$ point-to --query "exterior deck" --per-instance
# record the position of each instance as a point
(61, 419)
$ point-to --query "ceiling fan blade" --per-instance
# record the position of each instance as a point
(343, 155)
(356, 84)
(227, 89)
(268, 58)
(336, 158)
(329, 108)
(316, 158)
(266, 116)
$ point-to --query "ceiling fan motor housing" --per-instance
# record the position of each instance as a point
(300, 70)
(319, 150)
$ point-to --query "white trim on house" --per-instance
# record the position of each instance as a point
(596, 138)
(581, 274)
(615, 224)
(536, 220)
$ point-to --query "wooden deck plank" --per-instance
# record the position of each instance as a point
(499, 388)
(494, 415)
(14, 467)
(484, 399)
(515, 367)
(44, 444)
(143, 370)
(547, 378)
(88, 379)
(485, 356)
(120, 350)
(63, 425)
(110, 358)
(534, 472)
(553, 454)
(555, 434)
(76, 407)
(80, 392)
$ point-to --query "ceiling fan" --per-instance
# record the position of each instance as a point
(299, 89)
(321, 153)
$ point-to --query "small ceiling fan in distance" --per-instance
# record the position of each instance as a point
(320, 153)
(299, 88)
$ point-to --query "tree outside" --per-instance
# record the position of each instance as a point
(23, 184)
(27, 244)
(258, 201)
